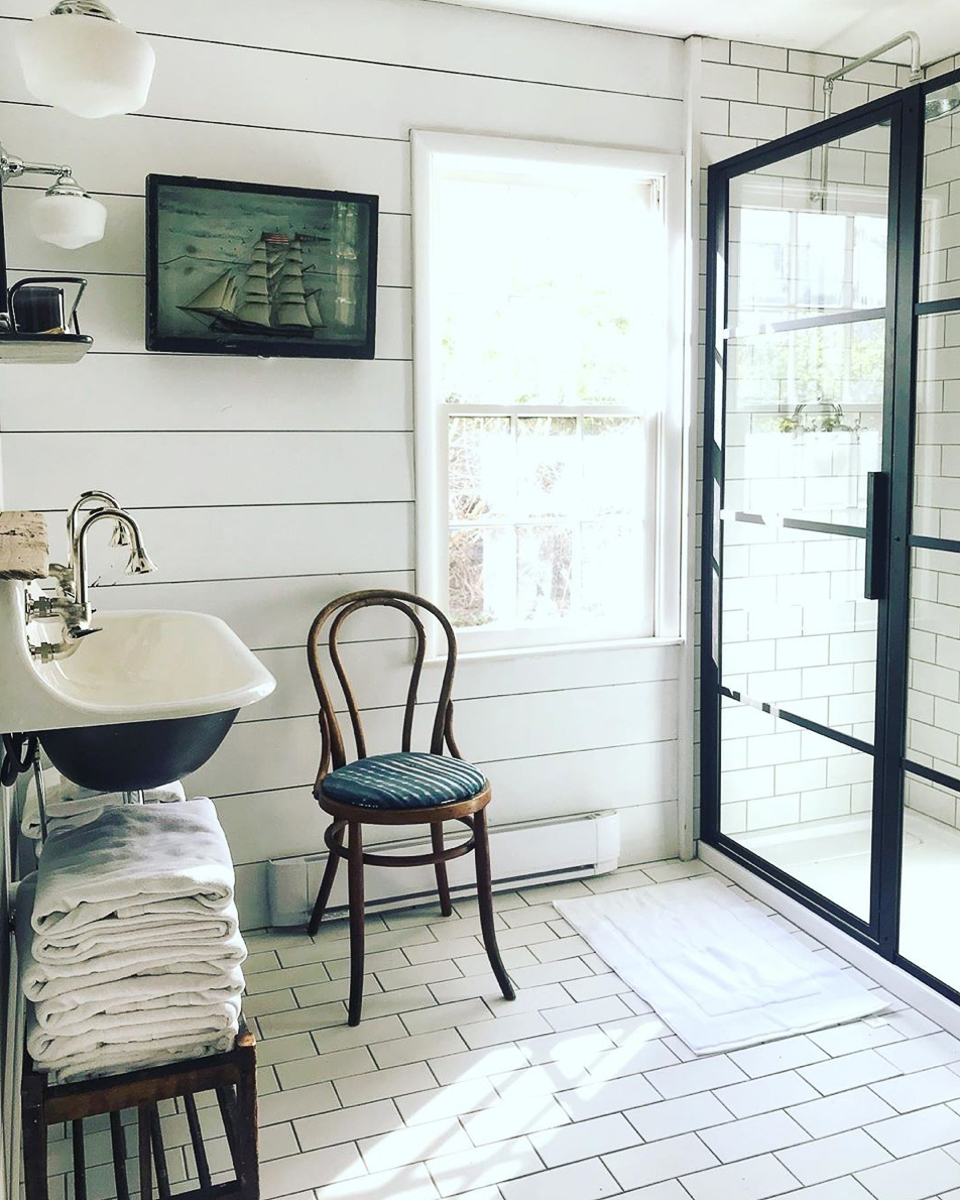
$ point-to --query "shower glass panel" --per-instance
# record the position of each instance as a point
(933, 696)
(798, 799)
(930, 879)
(803, 363)
(939, 253)
(830, 639)
(930, 876)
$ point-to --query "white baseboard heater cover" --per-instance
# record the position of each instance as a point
(534, 852)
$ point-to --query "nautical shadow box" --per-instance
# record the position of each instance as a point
(245, 268)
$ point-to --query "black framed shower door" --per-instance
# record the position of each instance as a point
(823, 555)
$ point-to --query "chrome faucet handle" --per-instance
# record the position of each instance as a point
(74, 632)
(64, 578)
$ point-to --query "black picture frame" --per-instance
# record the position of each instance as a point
(229, 289)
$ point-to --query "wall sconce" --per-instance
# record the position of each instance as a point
(34, 325)
(65, 215)
(80, 58)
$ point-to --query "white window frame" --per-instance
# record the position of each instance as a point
(431, 419)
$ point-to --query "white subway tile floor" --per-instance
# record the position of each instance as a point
(576, 1091)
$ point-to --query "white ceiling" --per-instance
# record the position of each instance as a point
(839, 26)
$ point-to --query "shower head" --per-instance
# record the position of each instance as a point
(942, 103)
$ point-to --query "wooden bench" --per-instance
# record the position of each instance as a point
(232, 1076)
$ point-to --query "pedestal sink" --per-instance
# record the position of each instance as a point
(147, 699)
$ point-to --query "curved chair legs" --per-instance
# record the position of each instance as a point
(355, 891)
(485, 904)
(326, 885)
(443, 886)
(353, 831)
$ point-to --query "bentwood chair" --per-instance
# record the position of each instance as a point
(406, 788)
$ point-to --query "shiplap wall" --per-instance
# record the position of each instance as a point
(266, 488)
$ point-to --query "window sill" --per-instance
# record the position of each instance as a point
(510, 652)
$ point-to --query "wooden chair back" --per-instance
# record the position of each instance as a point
(332, 753)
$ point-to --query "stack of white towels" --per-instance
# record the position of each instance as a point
(128, 939)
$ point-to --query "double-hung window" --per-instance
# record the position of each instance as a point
(548, 371)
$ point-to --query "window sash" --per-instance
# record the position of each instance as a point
(580, 627)
(666, 448)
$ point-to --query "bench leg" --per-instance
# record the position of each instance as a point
(247, 1119)
(34, 1139)
(144, 1149)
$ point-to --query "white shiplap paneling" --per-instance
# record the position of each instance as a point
(266, 488)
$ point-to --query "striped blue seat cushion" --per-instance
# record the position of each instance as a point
(409, 780)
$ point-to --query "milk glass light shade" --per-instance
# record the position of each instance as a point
(80, 58)
(69, 219)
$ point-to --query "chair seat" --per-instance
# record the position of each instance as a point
(406, 780)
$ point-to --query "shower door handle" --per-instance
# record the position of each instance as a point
(878, 514)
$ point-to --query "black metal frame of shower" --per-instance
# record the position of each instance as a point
(887, 531)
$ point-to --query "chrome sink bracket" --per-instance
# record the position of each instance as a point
(41, 790)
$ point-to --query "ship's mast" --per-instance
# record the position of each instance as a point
(289, 300)
(254, 306)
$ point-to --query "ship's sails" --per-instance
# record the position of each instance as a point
(218, 297)
(266, 293)
(255, 305)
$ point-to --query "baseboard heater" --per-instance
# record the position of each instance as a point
(525, 854)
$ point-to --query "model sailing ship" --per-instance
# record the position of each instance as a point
(265, 294)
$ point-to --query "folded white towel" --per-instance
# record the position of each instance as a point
(162, 941)
(144, 972)
(69, 804)
(141, 993)
(171, 1026)
(95, 1065)
(157, 958)
(102, 940)
(93, 1022)
(130, 1055)
(129, 858)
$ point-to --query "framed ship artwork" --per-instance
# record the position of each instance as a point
(244, 268)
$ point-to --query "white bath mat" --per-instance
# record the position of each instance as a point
(718, 971)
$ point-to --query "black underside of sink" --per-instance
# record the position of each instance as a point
(138, 754)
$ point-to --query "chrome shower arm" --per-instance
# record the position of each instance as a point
(916, 71)
(916, 74)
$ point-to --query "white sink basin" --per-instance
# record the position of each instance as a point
(145, 700)
(148, 665)
(156, 665)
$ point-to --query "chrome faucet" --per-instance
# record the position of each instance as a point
(65, 573)
(139, 563)
(72, 605)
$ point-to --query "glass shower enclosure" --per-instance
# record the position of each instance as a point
(830, 637)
